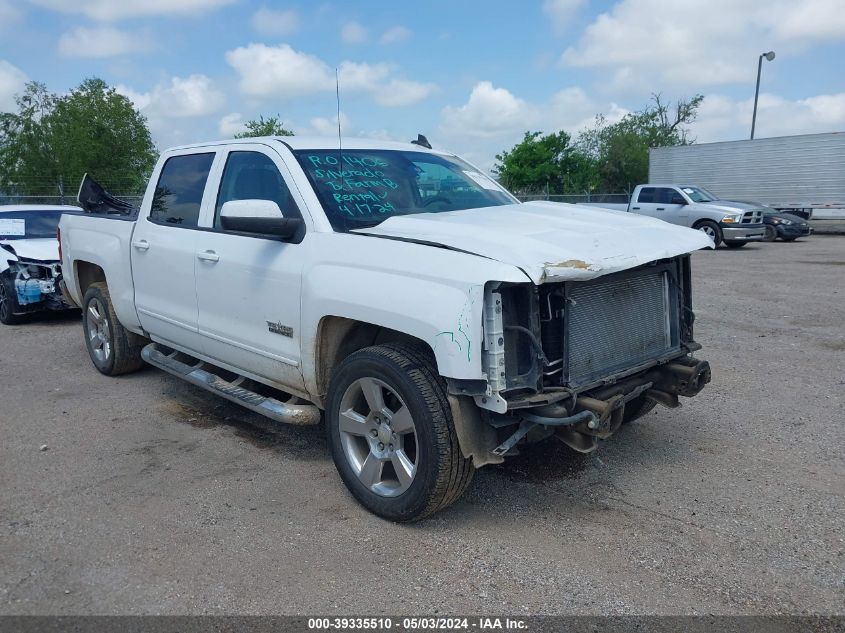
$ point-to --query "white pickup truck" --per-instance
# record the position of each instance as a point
(730, 222)
(435, 322)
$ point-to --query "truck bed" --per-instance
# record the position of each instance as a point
(103, 242)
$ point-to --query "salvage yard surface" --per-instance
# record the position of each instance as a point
(152, 496)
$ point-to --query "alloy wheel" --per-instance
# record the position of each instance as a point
(378, 436)
(97, 327)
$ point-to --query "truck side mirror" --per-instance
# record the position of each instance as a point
(258, 217)
(678, 199)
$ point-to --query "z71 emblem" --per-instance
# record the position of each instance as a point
(278, 328)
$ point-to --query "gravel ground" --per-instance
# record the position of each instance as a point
(153, 497)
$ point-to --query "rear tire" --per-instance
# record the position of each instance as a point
(9, 302)
(391, 434)
(711, 229)
(112, 348)
(735, 244)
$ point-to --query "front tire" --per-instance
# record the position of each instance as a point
(9, 302)
(391, 434)
(771, 233)
(111, 346)
(710, 228)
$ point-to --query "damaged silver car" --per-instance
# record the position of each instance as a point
(30, 270)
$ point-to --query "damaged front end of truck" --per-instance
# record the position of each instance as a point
(577, 359)
(597, 334)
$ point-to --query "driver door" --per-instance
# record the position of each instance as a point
(248, 287)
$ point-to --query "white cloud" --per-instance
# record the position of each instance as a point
(700, 42)
(361, 76)
(395, 34)
(353, 33)
(494, 119)
(490, 111)
(284, 73)
(401, 92)
(12, 82)
(561, 12)
(279, 71)
(275, 22)
(194, 96)
(109, 10)
(103, 42)
(721, 118)
(139, 99)
(327, 126)
(230, 125)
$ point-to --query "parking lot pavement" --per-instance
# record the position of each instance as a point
(153, 497)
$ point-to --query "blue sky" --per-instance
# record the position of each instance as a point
(471, 75)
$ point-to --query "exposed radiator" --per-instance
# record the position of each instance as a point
(618, 323)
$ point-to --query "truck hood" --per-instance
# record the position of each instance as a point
(734, 206)
(42, 249)
(549, 241)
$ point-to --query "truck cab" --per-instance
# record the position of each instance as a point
(724, 221)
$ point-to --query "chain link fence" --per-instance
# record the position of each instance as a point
(57, 200)
(575, 198)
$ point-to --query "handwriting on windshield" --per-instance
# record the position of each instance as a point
(358, 184)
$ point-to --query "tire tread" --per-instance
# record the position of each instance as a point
(126, 355)
(456, 472)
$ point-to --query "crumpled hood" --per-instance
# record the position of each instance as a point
(550, 241)
(43, 249)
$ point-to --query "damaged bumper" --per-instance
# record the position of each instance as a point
(685, 376)
(38, 287)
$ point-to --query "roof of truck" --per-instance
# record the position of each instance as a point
(316, 142)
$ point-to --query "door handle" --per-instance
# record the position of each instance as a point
(635, 208)
(208, 256)
(141, 245)
(661, 208)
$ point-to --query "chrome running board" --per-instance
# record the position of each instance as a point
(202, 375)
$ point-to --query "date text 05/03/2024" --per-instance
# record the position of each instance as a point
(418, 623)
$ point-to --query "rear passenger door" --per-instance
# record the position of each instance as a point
(660, 202)
(248, 287)
(163, 251)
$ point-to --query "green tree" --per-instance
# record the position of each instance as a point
(620, 150)
(545, 163)
(52, 141)
(26, 158)
(271, 126)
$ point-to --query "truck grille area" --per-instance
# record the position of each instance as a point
(752, 217)
(580, 334)
(618, 323)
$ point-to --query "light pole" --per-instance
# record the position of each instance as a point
(769, 56)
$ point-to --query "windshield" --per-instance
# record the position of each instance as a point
(697, 194)
(377, 184)
(22, 225)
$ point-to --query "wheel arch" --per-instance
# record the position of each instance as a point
(87, 273)
(338, 337)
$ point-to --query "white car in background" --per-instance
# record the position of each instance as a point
(30, 268)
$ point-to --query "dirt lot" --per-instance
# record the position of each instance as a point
(154, 497)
